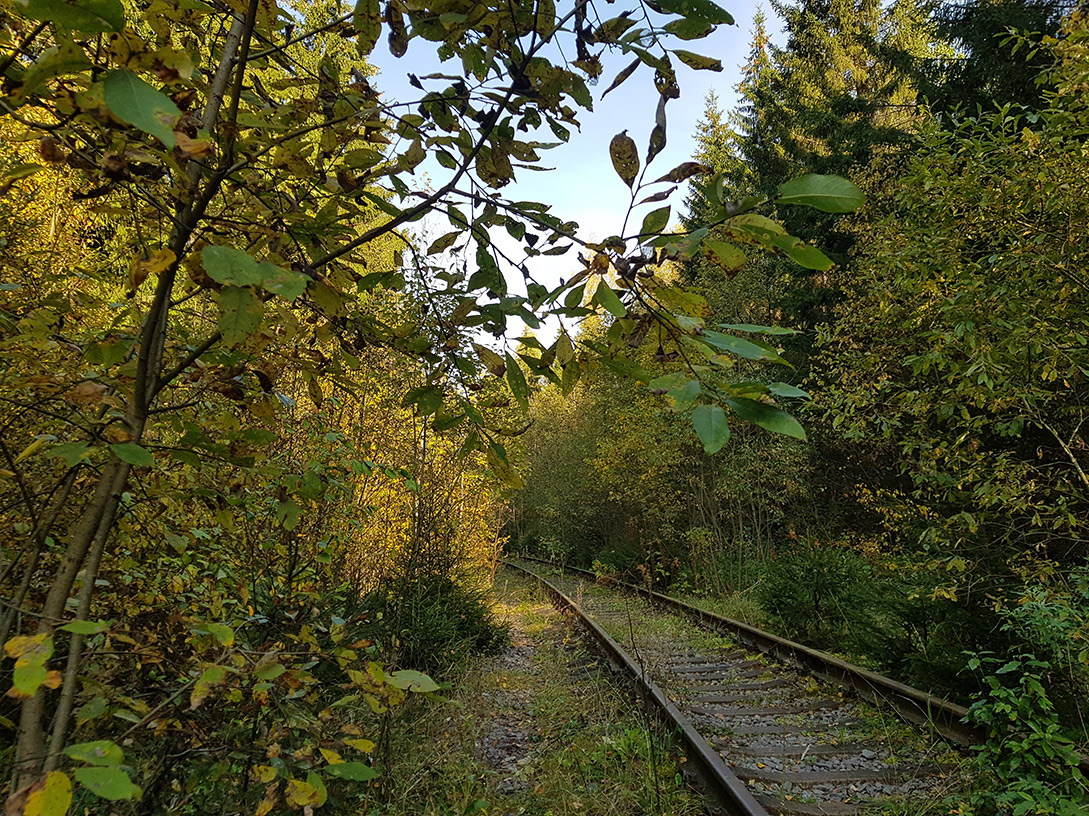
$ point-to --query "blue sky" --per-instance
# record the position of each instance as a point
(584, 187)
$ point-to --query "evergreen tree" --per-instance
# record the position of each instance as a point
(981, 69)
(757, 120)
(834, 96)
(716, 147)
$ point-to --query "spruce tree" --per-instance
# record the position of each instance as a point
(981, 69)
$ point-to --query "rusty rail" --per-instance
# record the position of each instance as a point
(913, 705)
(727, 788)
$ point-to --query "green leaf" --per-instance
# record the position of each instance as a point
(623, 75)
(233, 267)
(655, 221)
(498, 462)
(495, 364)
(411, 680)
(71, 453)
(354, 771)
(725, 255)
(754, 227)
(240, 313)
(288, 513)
(625, 157)
(698, 61)
(315, 781)
(100, 752)
(270, 671)
(230, 266)
(107, 783)
(209, 679)
(287, 283)
(698, 9)
(516, 379)
(367, 20)
(92, 16)
(683, 396)
(766, 416)
(132, 100)
(19, 171)
(605, 297)
(688, 28)
(665, 382)
(259, 436)
(92, 710)
(627, 368)
(830, 194)
(133, 454)
(427, 399)
(31, 652)
(29, 676)
(750, 327)
(442, 243)
(444, 421)
(782, 389)
(802, 254)
(85, 627)
(740, 347)
(224, 634)
(711, 427)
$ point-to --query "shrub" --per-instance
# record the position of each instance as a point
(1034, 767)
(434, 623)
(809, 592)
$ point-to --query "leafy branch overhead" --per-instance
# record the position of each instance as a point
(244, 205)
(354, 156)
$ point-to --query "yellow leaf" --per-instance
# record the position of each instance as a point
(193, 148)
(141, 268)
(301, 794)
(24, 644)
(363, 745)
(50, 797)
(264, 773)
(211, 677)
(332, 757)
(32, 448)
(269, 801)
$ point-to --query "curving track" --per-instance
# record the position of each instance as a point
(769, 737)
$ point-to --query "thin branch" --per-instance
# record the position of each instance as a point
(268, 52)
(22, 46)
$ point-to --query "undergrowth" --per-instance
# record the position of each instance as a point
(581, 747)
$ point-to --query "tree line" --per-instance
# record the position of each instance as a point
(930, 519)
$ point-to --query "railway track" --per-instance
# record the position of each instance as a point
(770, 737)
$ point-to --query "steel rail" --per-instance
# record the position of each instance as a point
(731, 792)
(913, 705)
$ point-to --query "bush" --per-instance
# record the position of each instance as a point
(1034, 767)
(810, 592)
(434, 623)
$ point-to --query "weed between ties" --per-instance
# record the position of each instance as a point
(541, 729)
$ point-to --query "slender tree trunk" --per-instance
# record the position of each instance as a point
(94, 523)
(30, 751)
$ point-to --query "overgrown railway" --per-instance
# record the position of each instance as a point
(775, 727)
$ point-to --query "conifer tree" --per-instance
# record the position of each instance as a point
(980, 69)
